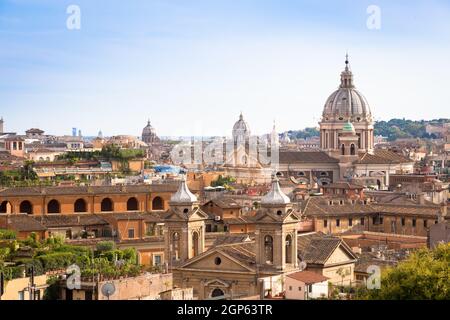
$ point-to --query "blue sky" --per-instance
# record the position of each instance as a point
(192, 65)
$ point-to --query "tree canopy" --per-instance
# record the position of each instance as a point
(425, 275)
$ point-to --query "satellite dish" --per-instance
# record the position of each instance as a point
(108, 289)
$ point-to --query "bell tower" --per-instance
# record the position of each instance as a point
(184, 227)
(276, 232)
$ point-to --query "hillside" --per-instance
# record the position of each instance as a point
(392, 129)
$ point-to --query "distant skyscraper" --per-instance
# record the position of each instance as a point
(74, 132)
(100, 134)
(79, 133)
(1, 125)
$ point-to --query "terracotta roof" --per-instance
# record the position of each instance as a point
(319, 206)
(231, 239)
(22, 222)
(14, 138)
(307, 277)
(123, 216)
(317, 248)
(68, 220)
(239, 220)
(76, 190)
(6, 156)
(244, 253)
(225, 203)
(343, 185)
(382, 157)
(286, 157)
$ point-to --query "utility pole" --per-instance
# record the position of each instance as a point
(32, 286)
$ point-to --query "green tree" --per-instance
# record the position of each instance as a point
(425, 275)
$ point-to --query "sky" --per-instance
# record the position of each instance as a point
(191, 66)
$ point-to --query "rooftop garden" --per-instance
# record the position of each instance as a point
(105, 261)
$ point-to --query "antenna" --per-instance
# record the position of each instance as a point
(108, 289)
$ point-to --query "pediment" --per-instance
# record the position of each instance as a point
(291, 217)
(217, 283)
(198, 215)
(174, 215)
(266, 217)
(207, 261)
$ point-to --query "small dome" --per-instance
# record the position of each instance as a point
(183, 194)
(275, 195)
(348, 127)
(241, 128)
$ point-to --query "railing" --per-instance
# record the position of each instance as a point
(74, 170)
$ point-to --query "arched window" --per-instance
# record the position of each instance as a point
(157, 203)
(195, 244)
(5, 207)
(176, 246)
(26, 207)
(107, 205)
(288, 249)
(53, 207)
(217, 293)
(132, 204)
(268, 249)
(352, 149)
(79, 206)
(342, 149)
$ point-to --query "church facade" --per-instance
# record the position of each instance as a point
(347, 148)
(234, 265)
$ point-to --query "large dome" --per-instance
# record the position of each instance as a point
(241, 129)
(346, 103)
(148, 129)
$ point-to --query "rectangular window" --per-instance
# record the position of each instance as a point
(299, 288)
(350, 222)
(310, 288)
(362, 221)
(325, 223)
(14, 145)
(374, 220)
(403, 222)
(290, 288)
(413, 222)
(425, 223)
(381, 220)
(338, 222)
(157, 260)
(21, 295)
(130, 233)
